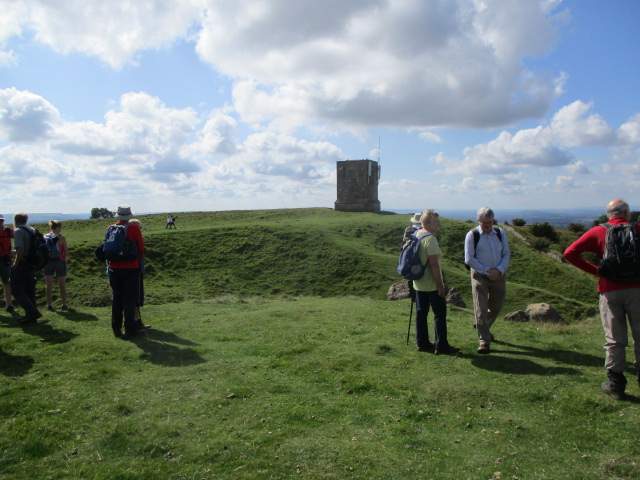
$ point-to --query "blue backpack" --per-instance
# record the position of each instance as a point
(116, 245)
(52, 246)
(409, 265)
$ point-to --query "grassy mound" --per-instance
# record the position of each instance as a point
(304, 252)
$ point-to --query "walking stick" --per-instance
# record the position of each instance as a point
(410, 316)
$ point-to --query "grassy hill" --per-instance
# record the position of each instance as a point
(273, 354)
(304, 252)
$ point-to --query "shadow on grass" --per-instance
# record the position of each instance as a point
(160, 336)
(14, 365)
(161, 353)
(517, 366)
(47, 332)
(40, 329)
(568, 357)
(76, 316)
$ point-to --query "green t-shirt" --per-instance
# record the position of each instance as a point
(428, 246)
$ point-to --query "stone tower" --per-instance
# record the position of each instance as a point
(358, 186)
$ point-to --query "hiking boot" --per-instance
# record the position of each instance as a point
(446, 350)
(428, 347)
(50, 307)
(64, 308)
(614, 385)
(30, 319)
(483, 348)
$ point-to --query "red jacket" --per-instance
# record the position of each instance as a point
(593, 241)
(6, 234)
(134, 234)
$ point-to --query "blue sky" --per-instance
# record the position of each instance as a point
(210, 105)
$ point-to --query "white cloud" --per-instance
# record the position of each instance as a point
(150, 152)
(427, 135)
(629, 132)
(25, 116)
(371, 62)
(578, 168)
(113, 31)
(543, 146)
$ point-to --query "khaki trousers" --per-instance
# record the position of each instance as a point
(488, 298)
(616, 308)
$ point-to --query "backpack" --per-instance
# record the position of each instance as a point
(38, 254)
(476, 239)
(116, 245)
(621, 258)
(409, 265)
(51, 241)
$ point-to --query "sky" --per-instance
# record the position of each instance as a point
(181, 105)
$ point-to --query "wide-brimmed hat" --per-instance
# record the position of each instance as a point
(124, 213)
(415, 218)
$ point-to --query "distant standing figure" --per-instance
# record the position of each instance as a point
(171, 222)
(124, 276)
(430, 290)
(23, 275)
(619, 298)
(487, 254)
(6, 234)
(413, 227)
(56, 267)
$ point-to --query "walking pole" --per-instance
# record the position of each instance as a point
(410, 316)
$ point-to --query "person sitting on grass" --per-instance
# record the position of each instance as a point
(56, 267)
(6, 234)
(430, 290)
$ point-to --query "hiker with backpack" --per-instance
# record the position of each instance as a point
(487, 256)
(428, 283)
(616, 244)
(56, 267)
(23, 268)
(6, 234)
(123, 249)
(140, 301)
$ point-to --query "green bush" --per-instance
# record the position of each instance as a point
(541, 244)
(576, 228)
(519, 222)
(544, 230)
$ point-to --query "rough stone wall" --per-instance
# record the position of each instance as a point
(358, 186)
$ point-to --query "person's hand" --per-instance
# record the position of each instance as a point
(494, 274)
(441, 291)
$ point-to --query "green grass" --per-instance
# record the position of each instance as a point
(308, 387)
(275, 355)
(278, 253)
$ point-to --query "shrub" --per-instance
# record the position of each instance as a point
(576, 228)
(541, 244)
(519, 222)
(544, 230)
(601, 219)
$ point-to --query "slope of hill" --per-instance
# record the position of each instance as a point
(304, 252)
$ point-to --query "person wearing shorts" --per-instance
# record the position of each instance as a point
(56, 267)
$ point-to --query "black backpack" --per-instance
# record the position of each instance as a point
(38, 254)
(476, 239)
(621, 258)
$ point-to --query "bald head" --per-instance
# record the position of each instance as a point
(618, 208)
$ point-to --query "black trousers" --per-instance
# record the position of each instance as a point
(424, 300)
(125, 287)
(23, 287)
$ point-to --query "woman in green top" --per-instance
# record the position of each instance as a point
(430, 289)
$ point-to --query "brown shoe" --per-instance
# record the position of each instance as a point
(484, 349)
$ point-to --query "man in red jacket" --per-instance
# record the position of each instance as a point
(124, 280)
(619, 300)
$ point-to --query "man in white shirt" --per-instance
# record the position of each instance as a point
(487, 254)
